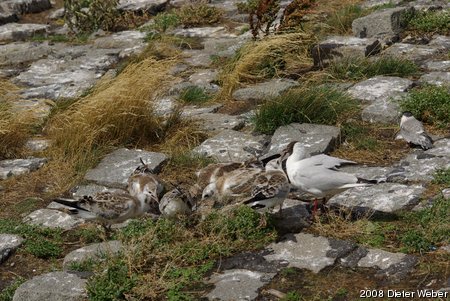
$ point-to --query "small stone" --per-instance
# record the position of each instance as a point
(52, 219)
(203, 32)
(232, 146)
(386, 22)
(437, 65)
(237, 284)
(92, 252)
(385, 198)
(446, 193)
(115, 169)
(415, 53)
(265, 90)
(15, 167)
(316, 138)
(18, 31)
(57, 14)
(54, 286)
(217, 122)
(37, 144)
(8, 244)
(150, 6)
(379, 88)
(437, 78)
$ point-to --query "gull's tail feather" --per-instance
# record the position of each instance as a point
(75, 208)
(365, 181)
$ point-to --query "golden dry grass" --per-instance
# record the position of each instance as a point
(15, 126)
(269, 57)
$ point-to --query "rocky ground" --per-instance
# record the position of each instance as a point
(306, 262)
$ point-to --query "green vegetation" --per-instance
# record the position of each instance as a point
(39, 241)
(86, 265)
(322, 105)
(358, 136)
(434, 22)
(194, 95)
(430, 104)
(164, 21)
(198, 14)
(442, 177)
(90, 15)
(354, 68)
(167, 258)
(292, 296)
(340, 21)
(8, 293)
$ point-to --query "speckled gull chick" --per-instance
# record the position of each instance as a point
(412, 131)
(176, 202)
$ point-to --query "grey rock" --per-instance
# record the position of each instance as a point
(379, 88)
(399, 270)
(57, 14)
(232, 146)
(429, 5)
(223, 47)
(82, 190)
(446, 248)
(437, 65)
(66, 75)
(250, 261)
(115, 169)
(37, 144)
(202, 32)
(352, 259)
(237, 285)
(39, 108)
(178, 68)
(16, 31)
(375, 3)
(315, 138)
(437, 78)
(8, 244)
(212, 122)
(151, 6)
(25, 6)
(164, 106)
(15, 167)
(54, 286)
(440, 42)
(310, 252)
(367, 172)
(15, 54)
(203, 77)
(265, 90)
(415, 53)
(130, 42)
(197, 58)
(446, 193)
(8, 18)
(191, 111)
(92, 252)
(380, 198)
(294, 216)
(336, 47)
(387, 22)
(441, 147)
(52, 219)
(385, 111)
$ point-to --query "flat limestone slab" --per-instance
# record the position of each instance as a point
(385, 197)
(8, 243)
(437, 78)
(115, 169)
(415, 53)
(306, 251)
(54, 286)
(151, 6)
(92, 252)
(232, 146)
(386, 22)
(379, 88)
(16, 31)
(15, 167)
(52, 219)
(316, 138)
(237, 284)
(264, 90)
(24, 6)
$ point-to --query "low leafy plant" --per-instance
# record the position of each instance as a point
(164, 21)
(194, 94)
(442, 177)
(88, 16)
(198, 14)
(434, 22)
(354, 68)
(8, 293)
(430, 104)
(41, 242)
(292, 296)
(322, 105)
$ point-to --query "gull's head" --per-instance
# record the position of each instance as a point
(142, 169)
(209, 191)
(274, 164)
(407, 114)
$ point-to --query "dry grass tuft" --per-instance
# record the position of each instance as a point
(270, 57)
(15, 127)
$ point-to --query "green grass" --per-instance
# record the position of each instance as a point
(83, 266)
(8, 293)
(169, 259)
(442, 177)
(323, 105)
(341, 20)
(292, 296)
(198, 14)
(435, 22)
(358, 136)
(39, 241)
(430, 104)
(194, 95)
(353, 68)
(163, 22)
